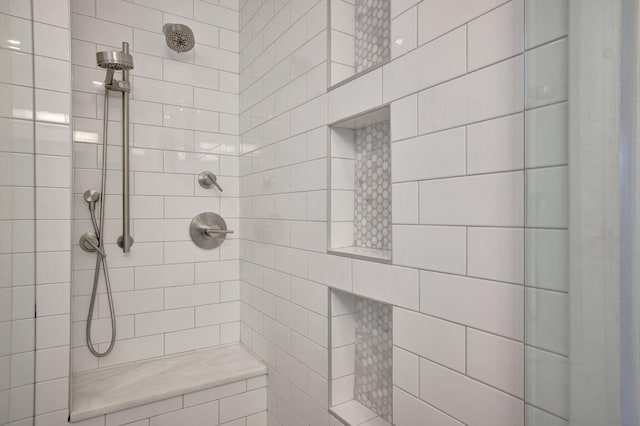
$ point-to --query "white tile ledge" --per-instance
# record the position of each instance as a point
(117, 388)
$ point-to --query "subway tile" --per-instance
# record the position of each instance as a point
(330, 270)
(432, 156)
(52, 395)
(547, 254)
(218, 313)
(466, 399)
(216, 101)
(98, 31)
(404, 118)
(546, 20)
(537, 417)
(215, 15)
(547, 74)
(488, 93)
(220, 59)
(199, 415)
(547, 384)
(485, 305)
(51, 41)
(163, 321)
(441, 341)
(485, 200)
(496, 361)
(225, 270)
(309, 295)
(188, 340)
(179, 72)
(162, 92)
(547, 136)
(410, 411)
(405, 370)
(404, 32)
(243, 404)
(390, 284)
(496, 145)
(52, 12)
(497, 35)
(143, 411)
(436, 17)
(359, 95)
(53, 106)
(19, 138)
(176, 7)
(547, 197)
(16, 29)
(547, 320)
(191, 295)
(430, 247)
(18, 102)
(129, 14)
(434, 63)
(496, 254)
(215, 393)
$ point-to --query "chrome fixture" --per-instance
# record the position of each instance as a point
(207, 180)
(119, 61)
(208, 230)
(179, 37)
(93, 242)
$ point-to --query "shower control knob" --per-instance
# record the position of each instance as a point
(208, 230)
(207, 180)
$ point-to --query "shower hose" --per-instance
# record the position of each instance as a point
(101, 257)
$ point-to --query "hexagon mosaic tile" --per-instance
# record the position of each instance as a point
(372, 215)
(373, 33)
(373, 360)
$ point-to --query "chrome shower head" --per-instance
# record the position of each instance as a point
(114, 61)
(117, 61)
(179, 37)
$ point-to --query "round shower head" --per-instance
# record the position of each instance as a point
(116, 61)
(179, 37)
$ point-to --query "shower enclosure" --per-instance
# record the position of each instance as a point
(577, 362)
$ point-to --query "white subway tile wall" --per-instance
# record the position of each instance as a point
(170, 296)
(473, 143)
(35, 158)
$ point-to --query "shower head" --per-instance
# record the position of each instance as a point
(117, 61)
(179, 37)
(114, 61)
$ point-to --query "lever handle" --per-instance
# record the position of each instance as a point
(212, 230)
(207, 179)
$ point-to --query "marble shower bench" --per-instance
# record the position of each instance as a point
(226, 383)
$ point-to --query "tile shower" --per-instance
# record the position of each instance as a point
(395, 184)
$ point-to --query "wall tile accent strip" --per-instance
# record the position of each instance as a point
(373, 32)
(373, 187)
(374, 357)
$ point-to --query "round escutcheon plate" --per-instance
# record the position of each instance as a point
(204, 230)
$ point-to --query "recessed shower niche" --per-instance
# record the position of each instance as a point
(360, 36)
(360, 182)
(361, 360)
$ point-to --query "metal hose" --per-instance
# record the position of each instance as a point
(101, 258)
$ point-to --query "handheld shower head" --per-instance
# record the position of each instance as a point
(179, 37)
(114, 61)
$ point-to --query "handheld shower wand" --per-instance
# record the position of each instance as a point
(94, 241)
